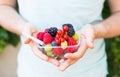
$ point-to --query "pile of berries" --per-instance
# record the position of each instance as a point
(58, 41)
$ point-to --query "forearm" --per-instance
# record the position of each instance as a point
(10, 19)
(109, 27)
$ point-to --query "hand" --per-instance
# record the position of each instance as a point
(29, 29)
(86, 41)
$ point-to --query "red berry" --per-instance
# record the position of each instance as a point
(59, 32)
(65, 37)
(57, 41)
(62, 39)
(40, 35)
(71, 41)
(58, 51)
(65, 28)
(47, 38)
(57, 36)
(71, 49)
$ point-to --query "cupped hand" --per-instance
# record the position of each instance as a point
(86, 38)
(29, 29)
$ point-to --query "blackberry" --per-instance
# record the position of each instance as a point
(69, 25)
(71, 32)
(52, 31)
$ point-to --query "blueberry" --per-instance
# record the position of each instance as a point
(54, 43)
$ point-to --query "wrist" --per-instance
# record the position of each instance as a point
(99, 30)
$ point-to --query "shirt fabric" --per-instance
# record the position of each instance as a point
(46, 13)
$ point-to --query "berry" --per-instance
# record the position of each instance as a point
(57, 41)
(62, 39)
(64, 44)
(75, 37)
(60, 32)
(50, 54)
(58, 51)
(71, 41)
(69, 25)
(57, 36)
(65, 39)
(40, 35)
(52, 31)
(71, 32)
(48, 48)
(65, 28)
(65, 36)
(71, 49)
(47, 38)
(54, 43)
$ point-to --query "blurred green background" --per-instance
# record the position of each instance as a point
(112, 46)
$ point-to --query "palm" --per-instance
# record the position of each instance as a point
(86, 41)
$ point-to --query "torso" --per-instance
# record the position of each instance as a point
(46, 13)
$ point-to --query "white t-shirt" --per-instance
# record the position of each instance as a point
(46, 13)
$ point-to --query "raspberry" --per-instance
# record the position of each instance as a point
(52, 31)
(58, 51)
(71, 41)
(40, 35)
(71, 32)
(71, 49)
(47, 38)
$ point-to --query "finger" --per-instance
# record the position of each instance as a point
(42, 56)
(27, 41)
(65, 65)
(37, 52)
(81, 51)
(89, 44)
(54, 61)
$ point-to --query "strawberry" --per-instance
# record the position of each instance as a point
(40, 35)
(47, 38)
(58, 51)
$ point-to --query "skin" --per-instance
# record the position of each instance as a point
(10, 20)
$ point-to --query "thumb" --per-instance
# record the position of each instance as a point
(90, 44)
(27, 40)
(28, 30)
